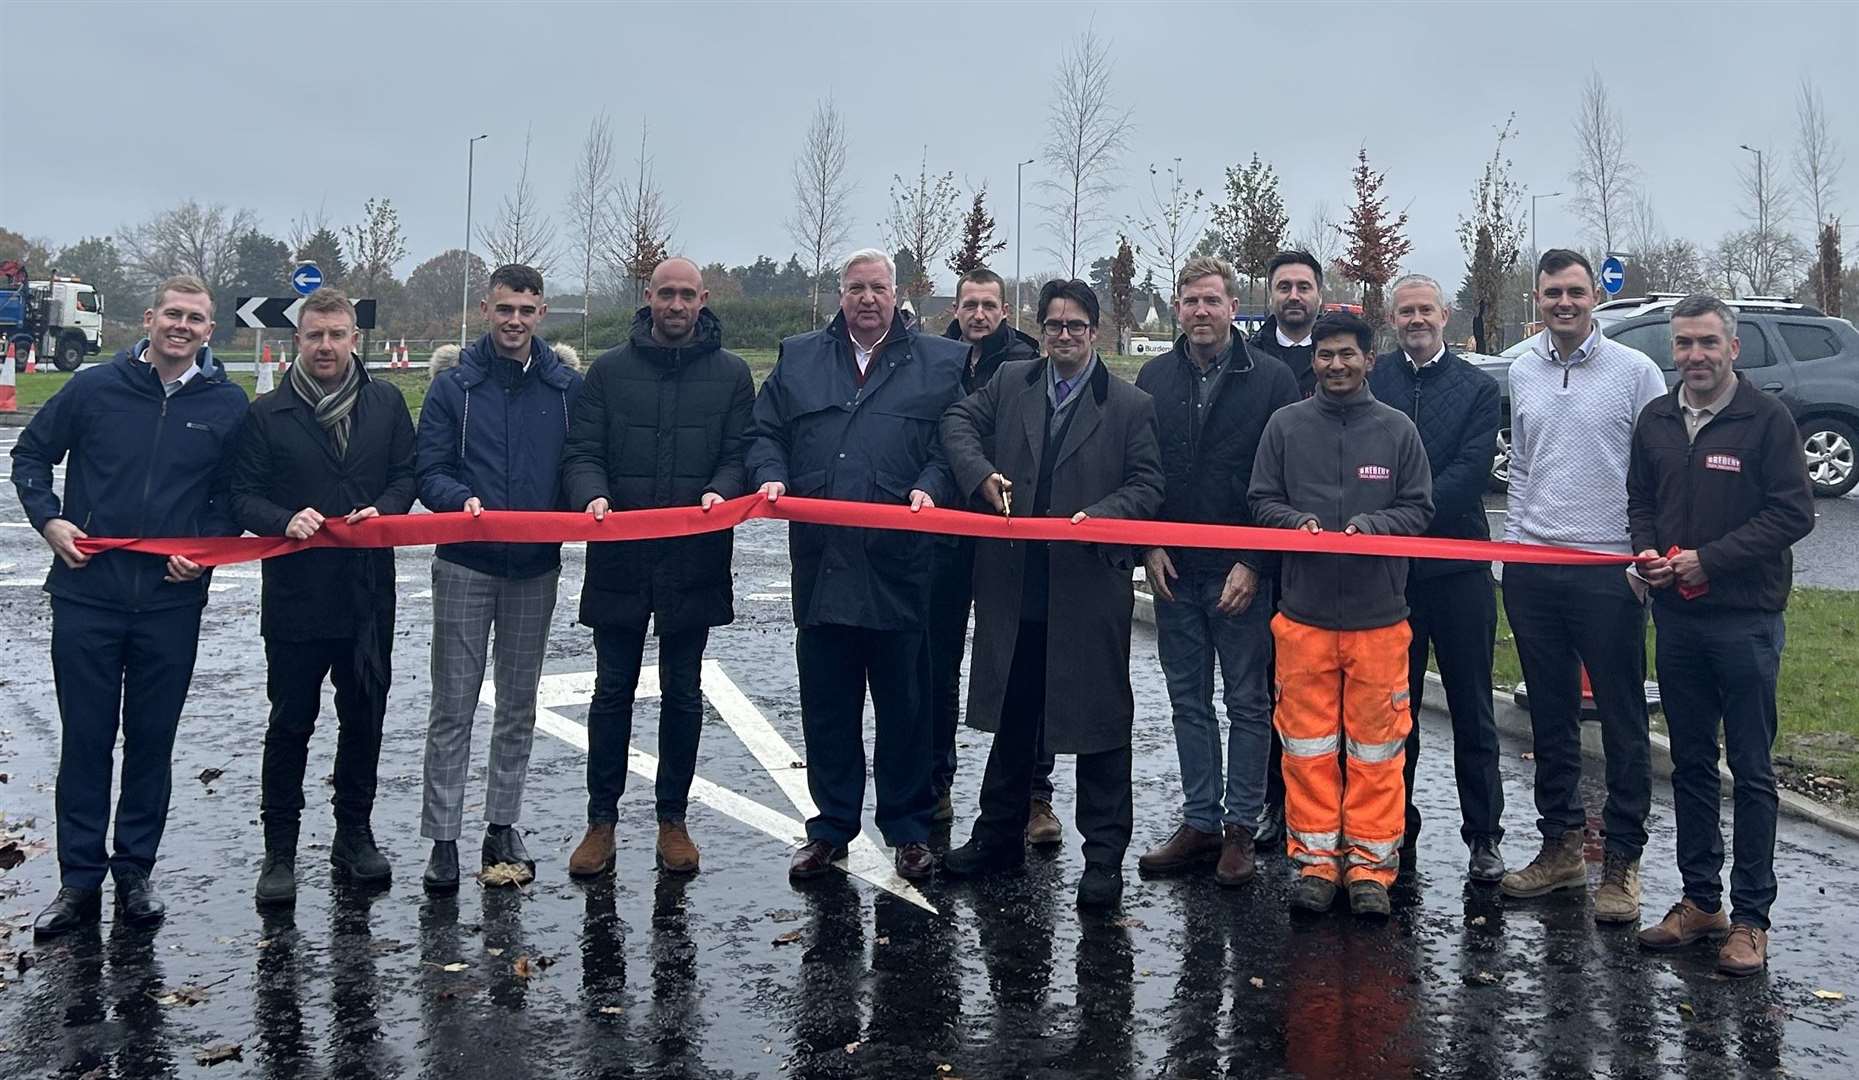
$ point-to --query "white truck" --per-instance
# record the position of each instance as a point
(61, 316)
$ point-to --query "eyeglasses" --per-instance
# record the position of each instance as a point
(1055, 328)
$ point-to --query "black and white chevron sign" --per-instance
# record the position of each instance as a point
(280, 312)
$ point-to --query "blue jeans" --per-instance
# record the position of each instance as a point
(1190, 635)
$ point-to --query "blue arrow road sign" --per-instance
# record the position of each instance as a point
(1613, 275)
(306, 279)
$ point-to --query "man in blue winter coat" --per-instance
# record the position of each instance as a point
(147, 439)
(491, 437)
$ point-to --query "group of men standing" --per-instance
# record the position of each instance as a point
(1322, 656)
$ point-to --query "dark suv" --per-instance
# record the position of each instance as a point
(1807, 359)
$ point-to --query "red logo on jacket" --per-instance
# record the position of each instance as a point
(1374, 472)
(1723, 462)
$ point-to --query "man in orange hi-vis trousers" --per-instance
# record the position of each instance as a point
(1340, 460)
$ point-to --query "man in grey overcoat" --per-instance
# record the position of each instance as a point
(1073, 440)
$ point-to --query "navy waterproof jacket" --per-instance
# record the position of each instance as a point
(1456, 409)
(138, 463)
(495, 430)
(824, 436)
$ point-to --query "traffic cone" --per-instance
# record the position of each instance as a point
(265, 385)
(404, 364)
(9, 395)
(32, 359)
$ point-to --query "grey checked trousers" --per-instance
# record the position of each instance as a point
(465, 605)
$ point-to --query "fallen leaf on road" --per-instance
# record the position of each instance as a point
(788, 938)
(1528, 756)
(507, 874)
(613, 1010)
(1482, 978)
(1257, 983)
(852, 1047)
(1478, 920)
(1829, 995)
(213, 1055)
(1685, 1007)
(884, 940)
(1131, 922)
(186, 995)
(207, 776)
(528, 966)
(494, 952)
(456, 965)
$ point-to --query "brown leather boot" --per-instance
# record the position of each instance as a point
(676, 853)
(593, 856)
(1745, 952)
(1684, 924)
(1236, 856)
(1617, 900)
(1042, 825)
(1187, 847)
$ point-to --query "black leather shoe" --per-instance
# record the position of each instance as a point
(975, 859)
(1101, 887)
(442, 869)
(1487, 863)
(355, 854)
(915, 862)
(68, 911)
(136, 901)
(277, 880)
(503, 844)
(814, 858)
(1271, 834)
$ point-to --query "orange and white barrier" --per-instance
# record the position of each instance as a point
(9, 394)
(265, 372)
(32, 359)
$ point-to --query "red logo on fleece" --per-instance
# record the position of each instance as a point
(1374, 472)
(1723, 462)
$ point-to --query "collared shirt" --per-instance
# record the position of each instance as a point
(1203, 384)
(1696, 416)
(861, 355)
(169, 386)
(1582, 351)
(1062, 392)
(1287, 342)
(1436, 359)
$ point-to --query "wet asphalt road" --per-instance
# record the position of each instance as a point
(735, 973)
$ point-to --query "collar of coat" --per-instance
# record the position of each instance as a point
(1397, 360)
(295, 401)
(1742, 403)
(474, 364)
(706, 337)
(1100, 376)
(1237, 357)
(899, 331)
(995, 343)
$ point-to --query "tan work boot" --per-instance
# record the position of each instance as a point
(1558, 866)
(593, 856)
(1618, 898)
(676, 852)
(1187, 847)
(1236, 856)
(1684, 924)
(1745, 952)
(1042, 826)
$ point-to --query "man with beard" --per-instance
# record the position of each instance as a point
(661, 421)
(1294, 286)
(981, 322)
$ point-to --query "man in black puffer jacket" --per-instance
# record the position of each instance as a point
(661, 421)
(1451, 603)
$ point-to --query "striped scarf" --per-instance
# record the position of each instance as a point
(333, 407)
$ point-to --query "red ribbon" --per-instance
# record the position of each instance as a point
(531, 527)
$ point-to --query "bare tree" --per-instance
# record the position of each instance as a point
(1171, 221)
(1491, 237)
(822, 193)
(1089, 131)
(924, 219)
(1771, 256)
(590, 208)
(522, 232)
(1661, 262)
(1817, 156)
(188, 239)
(1604, 179)
(1320, 237)
(640, 233)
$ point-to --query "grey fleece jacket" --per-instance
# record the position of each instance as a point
(1343, 461)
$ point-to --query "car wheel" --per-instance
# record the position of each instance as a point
(1500, 465)
(1832, 455)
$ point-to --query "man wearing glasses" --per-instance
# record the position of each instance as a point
(1051, 664)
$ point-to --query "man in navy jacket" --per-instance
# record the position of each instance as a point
(851, 412)
(491, 436)
(147, 437)
(1452, 605)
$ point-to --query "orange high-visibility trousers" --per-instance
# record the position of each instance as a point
(1343, 690)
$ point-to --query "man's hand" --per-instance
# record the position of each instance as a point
(362, 514)
(709, 500)
(1350, 530)
(773, 490)
(1312, 526)
(998, 491)
(1656, 569)
(1242, 584)
(180, 569)
(63, 536)
(598, 508)
(474, 506)
(1079, 517)
(1689, 568)
(920, 500)
(303, 524)
(1159, 569)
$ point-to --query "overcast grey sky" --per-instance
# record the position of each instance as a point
(284, 108)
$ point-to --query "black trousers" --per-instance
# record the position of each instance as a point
(1457, 614)
(1566, 618)
(1718, 669)
(618, 653)
(1105, 796)
(951, 598)
(294, 674)
(837, 664)
(117, 671)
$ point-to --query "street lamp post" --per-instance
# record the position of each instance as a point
(1762, 225)
(1534, 251)
(464, 290)
(1017, 169)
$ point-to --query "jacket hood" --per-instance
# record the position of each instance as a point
(706, 337)
(1002, 339)
(474, 364)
